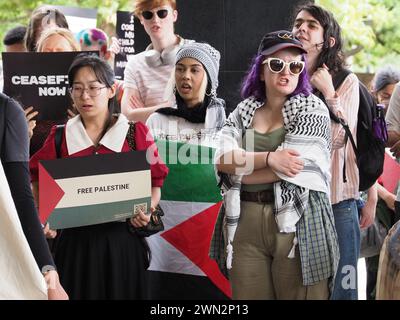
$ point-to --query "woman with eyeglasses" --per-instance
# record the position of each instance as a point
(147, 73)
(273, 165)
(109, 260)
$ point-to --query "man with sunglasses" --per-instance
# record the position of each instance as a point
(147, 73)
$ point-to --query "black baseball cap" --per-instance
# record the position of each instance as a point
(278, 40)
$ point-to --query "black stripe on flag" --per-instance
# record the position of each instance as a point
(96, 164)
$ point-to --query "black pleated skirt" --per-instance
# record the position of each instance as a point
(104, 261)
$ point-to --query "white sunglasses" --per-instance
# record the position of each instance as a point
(277, 65)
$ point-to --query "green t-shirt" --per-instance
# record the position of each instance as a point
(269, 141)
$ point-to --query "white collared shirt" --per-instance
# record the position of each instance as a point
(77, 138)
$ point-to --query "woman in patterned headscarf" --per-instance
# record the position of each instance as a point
(197, 113)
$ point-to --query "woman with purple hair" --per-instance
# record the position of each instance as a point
(273, 166)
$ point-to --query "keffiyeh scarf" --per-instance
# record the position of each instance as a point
(307, 125)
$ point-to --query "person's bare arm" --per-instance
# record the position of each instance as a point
(393, 138)
(386, 196)
(30, 114)
(133, 107)
(241, 162)
(265, 175)
(369, 210)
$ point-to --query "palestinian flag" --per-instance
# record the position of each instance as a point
(180, 267)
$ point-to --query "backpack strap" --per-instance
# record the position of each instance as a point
(130, 136)
(337, 80)
(340, 77)
(348, 136)
(58, 139)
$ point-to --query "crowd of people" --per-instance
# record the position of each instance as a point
(291, 220)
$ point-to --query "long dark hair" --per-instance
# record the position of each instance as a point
(333, 57)
(253, 86)
(104, 74)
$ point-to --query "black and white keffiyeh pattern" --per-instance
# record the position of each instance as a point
(230, 138)
(307, 124)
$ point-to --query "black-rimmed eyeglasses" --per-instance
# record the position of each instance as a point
(77, 91)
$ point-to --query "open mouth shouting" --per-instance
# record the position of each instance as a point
(185, 88)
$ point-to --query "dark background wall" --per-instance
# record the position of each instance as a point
(234, 27)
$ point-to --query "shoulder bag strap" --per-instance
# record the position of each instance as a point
(130, 136)
(58, 139)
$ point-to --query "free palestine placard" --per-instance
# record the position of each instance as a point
(95, 189)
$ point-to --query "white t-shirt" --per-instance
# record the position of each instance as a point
(178, 129)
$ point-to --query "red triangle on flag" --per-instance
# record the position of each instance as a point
(50, 194)
(192, 237)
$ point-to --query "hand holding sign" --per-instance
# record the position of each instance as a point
(141, 219)
(114, 48)
(72, 112)
(30, 114)
(50, 234)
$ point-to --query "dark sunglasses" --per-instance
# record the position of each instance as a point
(148, 15)
(277, 65)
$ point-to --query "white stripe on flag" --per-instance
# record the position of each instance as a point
(139, 187)
(166, 257)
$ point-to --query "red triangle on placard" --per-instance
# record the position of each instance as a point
(50, 194)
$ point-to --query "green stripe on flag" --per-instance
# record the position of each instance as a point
(93, 214)
(191, 172)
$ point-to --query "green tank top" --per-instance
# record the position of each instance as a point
(269, 141)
